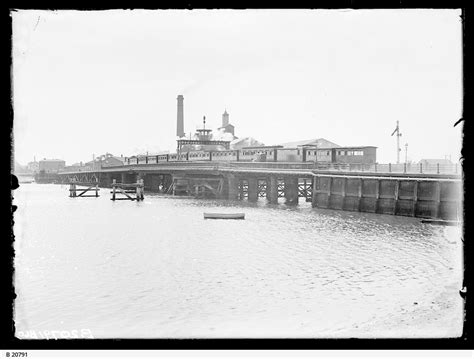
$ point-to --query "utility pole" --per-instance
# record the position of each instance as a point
(406, 152)
(397, 131)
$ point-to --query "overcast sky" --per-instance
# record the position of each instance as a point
(93, 82)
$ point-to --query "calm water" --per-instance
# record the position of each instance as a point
(158, 269)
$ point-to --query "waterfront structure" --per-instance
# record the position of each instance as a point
(93, 165)
(33, 166)
(419, 195)
(109, 160)
(226, 126)
(51, 165)
(127, 189)
(202, 141)
(75, 187)
(203, 167)
(356, 154)
(18, 168)
(75, 167)
(315, 142)
(240, 143)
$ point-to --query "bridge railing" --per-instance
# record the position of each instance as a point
(454, 168)
(432, 168)
(410, 168)
(275, 165)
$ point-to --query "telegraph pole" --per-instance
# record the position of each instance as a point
(397, 131)
(406, 152)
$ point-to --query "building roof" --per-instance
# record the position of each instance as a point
(317, 142)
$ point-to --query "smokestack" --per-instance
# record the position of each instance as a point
(180, 123)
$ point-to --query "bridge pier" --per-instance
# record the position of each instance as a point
(272, 189)
(129, 177)
(291, 190)
(152, 182)
(105, 180)
(232, 187)
(252, 189)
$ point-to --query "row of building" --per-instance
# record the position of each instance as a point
(223, 139)
(56, 165)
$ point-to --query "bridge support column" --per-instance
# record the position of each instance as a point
(152, 182)
(147, 180)
(105, 180)
(233, 187)
(291, 190)
(253, 189)
(313, 194)
(272, 190)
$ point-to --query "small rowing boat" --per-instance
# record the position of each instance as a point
(440, 222)
(224, 215)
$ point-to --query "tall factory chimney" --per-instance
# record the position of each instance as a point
(180, 123)
(225, 119)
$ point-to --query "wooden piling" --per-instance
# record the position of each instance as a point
(126, 189)
(72, 190)
(140, 190)
(415, 197)
(113, 189)
(377, 196)
(396, 197)
(359, 194)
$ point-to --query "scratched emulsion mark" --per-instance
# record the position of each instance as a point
(157, 269)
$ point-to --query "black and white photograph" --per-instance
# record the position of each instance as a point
(229, 174)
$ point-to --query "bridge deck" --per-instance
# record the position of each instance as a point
(263, 168)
